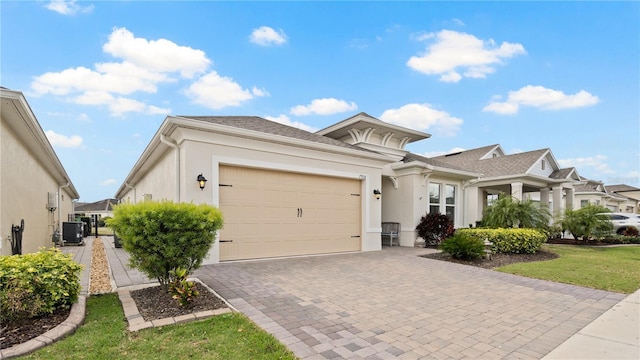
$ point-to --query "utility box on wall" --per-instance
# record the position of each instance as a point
(52, 201)
(72, 232)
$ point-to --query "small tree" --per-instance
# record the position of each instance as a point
(434, 228)
(509, 212)
(162, 237)
(587, 222)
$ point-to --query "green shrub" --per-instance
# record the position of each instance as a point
(464, 247)
(587, 223)
(516, 241)
(36, 284)
(509, 212)
(164, 236)
(434, 228)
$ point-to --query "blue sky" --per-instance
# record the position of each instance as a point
(101, 76)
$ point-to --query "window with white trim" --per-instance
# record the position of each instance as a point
(442, 199)
(434, 198)
(450, 201)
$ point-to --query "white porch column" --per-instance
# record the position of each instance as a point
(569, 200)
(472, 206)
(516, 190)
(558, 204)
(544, 198)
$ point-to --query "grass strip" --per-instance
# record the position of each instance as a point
(104, 336)
(614, 269)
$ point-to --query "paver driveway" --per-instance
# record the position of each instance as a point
(394, 304)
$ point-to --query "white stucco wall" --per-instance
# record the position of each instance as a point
(203, 152)
(159, 183)
(203, 157)
(23, 195)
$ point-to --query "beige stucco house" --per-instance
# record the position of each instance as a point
(617, 198)
(285, 191)
(34, 186)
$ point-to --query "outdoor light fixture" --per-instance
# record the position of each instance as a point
(377, 194)
(201, 181)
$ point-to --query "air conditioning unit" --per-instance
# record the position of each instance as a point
(52, 201)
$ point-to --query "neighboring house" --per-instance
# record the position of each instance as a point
(630, 193)
(284, 191)
(34, 185)
(102, 208)
(592, 192)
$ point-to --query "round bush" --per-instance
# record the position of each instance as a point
(463, 247)
(164, 236)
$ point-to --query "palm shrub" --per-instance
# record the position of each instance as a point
(162, 237)
(434, 228)
(464, 247)
(509, 212)
(587, 222)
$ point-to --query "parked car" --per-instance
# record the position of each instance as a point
(622, 221)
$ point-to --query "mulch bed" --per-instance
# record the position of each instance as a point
(14, 333)
(155, 303)
(496, 260)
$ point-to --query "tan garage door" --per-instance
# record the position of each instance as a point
(273, 213)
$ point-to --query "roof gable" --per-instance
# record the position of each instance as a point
(367, 130)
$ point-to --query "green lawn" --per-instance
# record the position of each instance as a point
(104, 336)
(607, 268)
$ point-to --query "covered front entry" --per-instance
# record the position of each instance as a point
(275, 213)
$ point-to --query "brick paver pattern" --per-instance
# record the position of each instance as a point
(393, 304)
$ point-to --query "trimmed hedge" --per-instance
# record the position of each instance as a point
(36, 284)
(515, 240)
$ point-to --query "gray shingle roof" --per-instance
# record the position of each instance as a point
(102, 205)
(256, 123)
(431, 161)
(621, 188)
(561, 173)
(499, 166)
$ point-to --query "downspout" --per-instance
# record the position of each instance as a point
(60, 202)
(134, 191)
(174, 145)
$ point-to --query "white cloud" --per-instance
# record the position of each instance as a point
(597, 164)
(542, 98)
(108, 182)
(284, 119)
(423, 117)
(58, 140)
(160, 55)
(216, 92)
(452, 52)
(68, 7)
(145, 64)
(118, 106)
(266, 36)
(326, 106)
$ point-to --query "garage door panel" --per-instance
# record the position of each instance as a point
(270, 213)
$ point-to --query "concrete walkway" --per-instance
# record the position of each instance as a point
(394, 304)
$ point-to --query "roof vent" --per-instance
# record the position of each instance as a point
(455, 153)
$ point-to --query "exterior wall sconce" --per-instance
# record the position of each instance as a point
(201, 181)
(377, 194)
